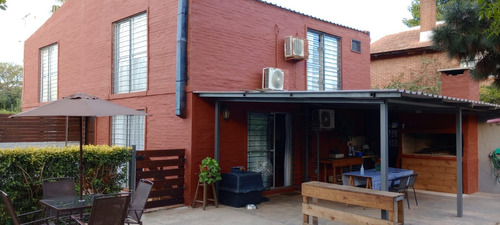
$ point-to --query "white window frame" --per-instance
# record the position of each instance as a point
(48, 73)
(128, 131)
(323, 64)
(130, 54)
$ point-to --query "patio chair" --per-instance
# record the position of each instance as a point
(15, 217)
(401, 185)
(108, 209)
(59, 187)
(138, 202)
(411, 185)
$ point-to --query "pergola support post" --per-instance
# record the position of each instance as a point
(384, 151)
(459, 163)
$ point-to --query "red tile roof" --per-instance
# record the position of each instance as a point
(398, 42)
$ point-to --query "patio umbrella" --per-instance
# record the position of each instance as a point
(81, 105)
(496, 120)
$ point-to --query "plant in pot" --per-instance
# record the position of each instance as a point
(209, 171)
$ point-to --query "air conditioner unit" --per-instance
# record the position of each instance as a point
(294, 48)
(326, 119)
(272, 78)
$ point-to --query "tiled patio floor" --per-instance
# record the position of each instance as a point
(433, 208)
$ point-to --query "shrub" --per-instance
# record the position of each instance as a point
(23, 169)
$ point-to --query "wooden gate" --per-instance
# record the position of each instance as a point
(166, 169)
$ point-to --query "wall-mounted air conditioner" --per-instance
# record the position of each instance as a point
(272, 78)
(326, 119)
(294, 48)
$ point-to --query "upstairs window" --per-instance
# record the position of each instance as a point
(356, 46)
(130, 54)
(323, 64)
(48, 73)
(128, 131)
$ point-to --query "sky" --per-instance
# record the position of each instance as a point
(380, 17)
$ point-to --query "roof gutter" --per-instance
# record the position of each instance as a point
(181, 60)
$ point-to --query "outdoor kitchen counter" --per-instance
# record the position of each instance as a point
(435, 172)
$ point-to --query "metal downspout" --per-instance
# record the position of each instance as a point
(181, 60)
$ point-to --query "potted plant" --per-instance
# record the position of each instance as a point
(209, 171)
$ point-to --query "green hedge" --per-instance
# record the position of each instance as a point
(23, 169)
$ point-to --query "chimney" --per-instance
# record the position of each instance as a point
(427, 19)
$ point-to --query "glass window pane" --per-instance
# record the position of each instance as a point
(48, 73)
(323, 64)
(130, 58)
(128, 131)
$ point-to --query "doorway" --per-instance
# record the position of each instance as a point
(269, 148)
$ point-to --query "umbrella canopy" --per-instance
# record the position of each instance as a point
(81, 105)
(496, 120)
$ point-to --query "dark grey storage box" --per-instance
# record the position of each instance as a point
(240, 189)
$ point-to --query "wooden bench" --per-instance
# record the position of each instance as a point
(384, 200)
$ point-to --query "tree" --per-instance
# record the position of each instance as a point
(3, 5)
(488, 93)
(10, 87)
(56, 7)
(414, 9)
(463, 37)
(490, 10)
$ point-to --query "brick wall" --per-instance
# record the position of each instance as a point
(385, 70)
(460, 86)
(228, 52)
(428, 15)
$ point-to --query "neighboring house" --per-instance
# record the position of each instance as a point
(199, 71)
(407, 57)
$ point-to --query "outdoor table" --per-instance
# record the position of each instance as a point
(334, 163)
(392, 173)
(69, 203)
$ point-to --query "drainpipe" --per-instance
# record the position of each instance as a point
(181, 60)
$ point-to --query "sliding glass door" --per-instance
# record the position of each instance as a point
(269, 148)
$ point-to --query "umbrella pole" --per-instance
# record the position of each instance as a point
(81, 159)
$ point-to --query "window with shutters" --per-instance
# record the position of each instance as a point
(48, 73)
(323, 64)
(128, 131)
(130, 54)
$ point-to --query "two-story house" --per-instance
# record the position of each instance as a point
(206, 71)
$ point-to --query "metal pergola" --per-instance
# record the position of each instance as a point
(384, 100)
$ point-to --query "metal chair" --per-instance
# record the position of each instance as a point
(106, 209)
(15, 217)
(59, 187)
(138, 202)
(400, 185)
(411, 185)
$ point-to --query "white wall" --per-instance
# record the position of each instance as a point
(488, 141)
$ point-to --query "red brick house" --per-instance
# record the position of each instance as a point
(189, 62)
(126, 52)
(408, 56)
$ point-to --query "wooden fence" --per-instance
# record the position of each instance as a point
(38, 129)
(166, 169)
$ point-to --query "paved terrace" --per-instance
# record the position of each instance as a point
(433, 208)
